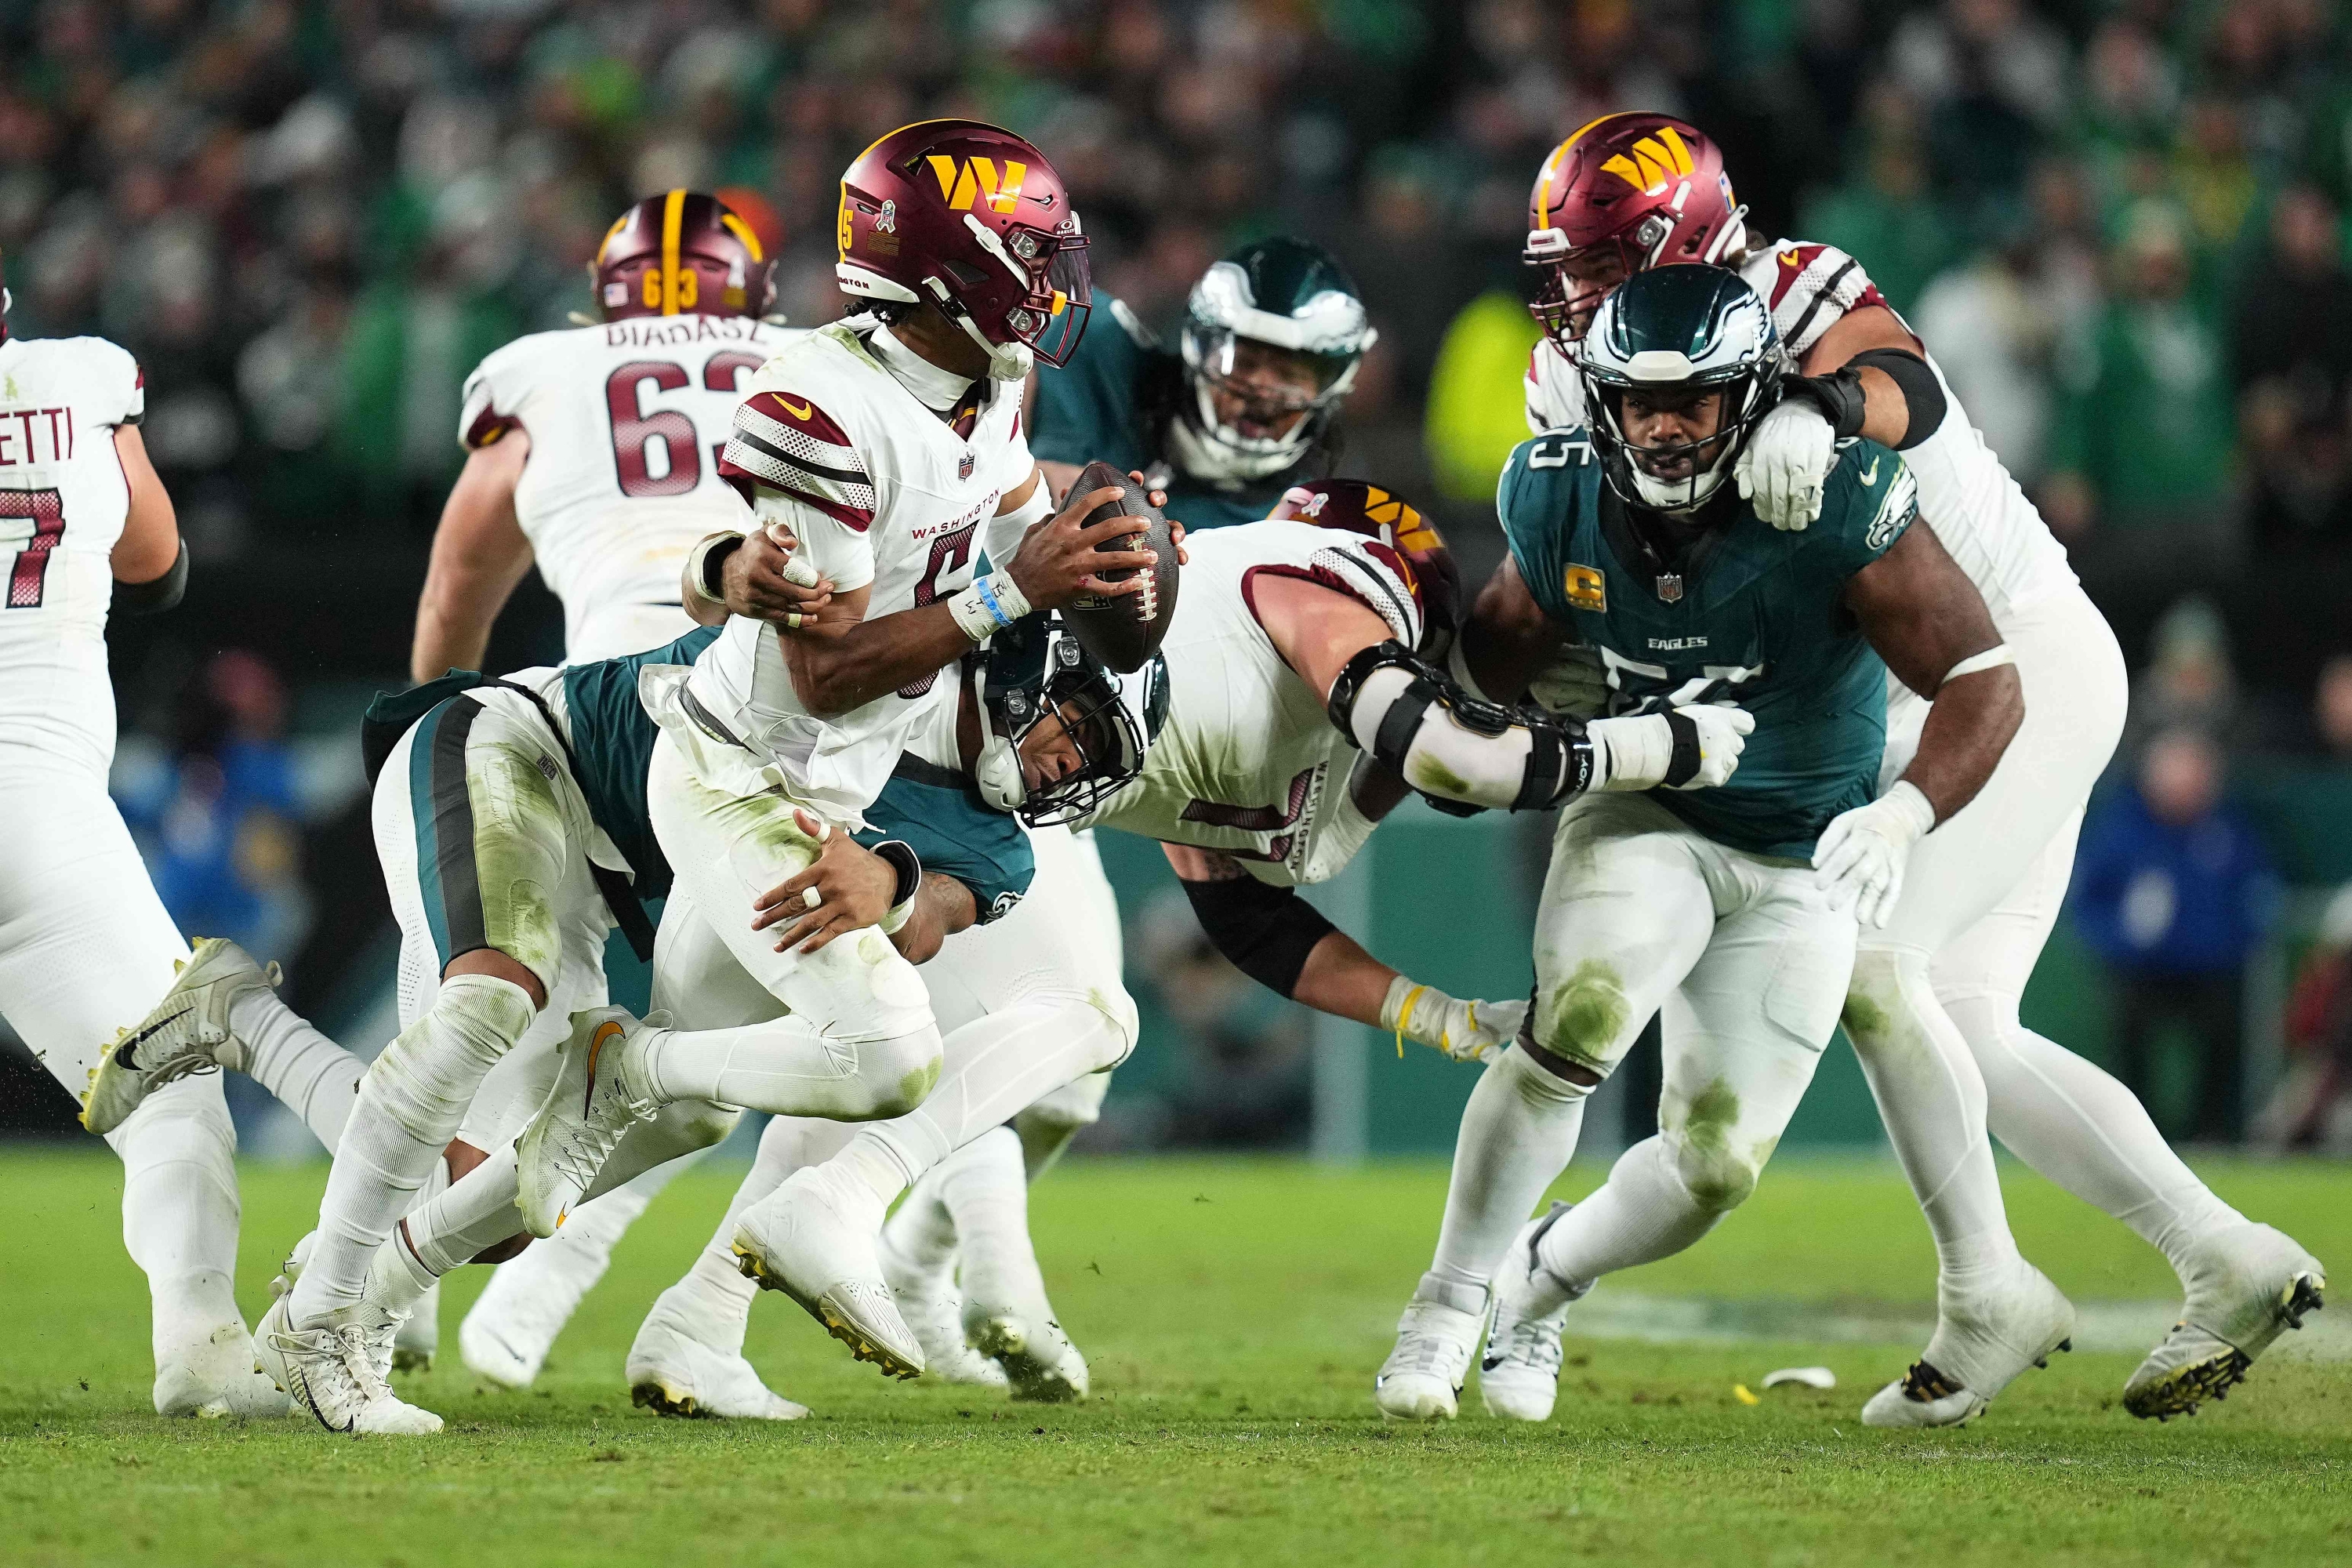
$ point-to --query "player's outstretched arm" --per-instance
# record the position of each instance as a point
(1864, 377)
(1927, 620)
(479, 554)
(1285, 944)
(149, 562)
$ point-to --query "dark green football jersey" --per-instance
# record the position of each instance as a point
(936, 811)
(1105, 405)
(1752, 616)
(612, 741)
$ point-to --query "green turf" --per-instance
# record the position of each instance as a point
(1234, 1312)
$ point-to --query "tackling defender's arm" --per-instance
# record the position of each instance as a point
(1865, 376)
(479, 554)
(855, 888)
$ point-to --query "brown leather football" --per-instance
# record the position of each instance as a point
(1125, 632)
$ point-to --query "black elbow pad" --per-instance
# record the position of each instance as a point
(1267, 933)
(157, 595)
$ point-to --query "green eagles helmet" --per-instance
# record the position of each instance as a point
(1694, 327)
(1035, 669)
(1291, 295)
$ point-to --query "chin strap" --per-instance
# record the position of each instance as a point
(997, 770)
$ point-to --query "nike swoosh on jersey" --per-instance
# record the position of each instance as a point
(1870, 475)
(1791, 257)
(797, 410)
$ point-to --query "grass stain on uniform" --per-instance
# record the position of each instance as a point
(1587, 1012)
(521, 841)
(1865, 1019)
(1431, 775)
(1719, 1177)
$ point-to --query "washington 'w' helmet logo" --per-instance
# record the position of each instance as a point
(976, 180)
(1660, 159)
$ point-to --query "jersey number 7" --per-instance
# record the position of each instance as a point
(29, 579)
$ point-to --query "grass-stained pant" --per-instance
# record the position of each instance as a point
(1743, 956)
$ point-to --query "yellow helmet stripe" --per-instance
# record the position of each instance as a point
(742, 231)
(673, 221)
(1560, 156)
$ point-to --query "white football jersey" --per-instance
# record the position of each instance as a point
(879, 489)
(1978, 513)
(63, 502)
(1247, 761)
(626, 422)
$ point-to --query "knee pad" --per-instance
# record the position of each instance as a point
(1582, 1017)
(1714, 1164)
(426, 1078)
(898, 1073)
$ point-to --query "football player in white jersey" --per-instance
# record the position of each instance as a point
(1933, 1011)
(86, 529)
(1290, 668)
(889, 448)
(593, 453)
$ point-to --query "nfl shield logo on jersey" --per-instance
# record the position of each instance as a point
(1670, 586)
(964, 467)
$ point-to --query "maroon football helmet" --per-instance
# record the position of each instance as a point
(1627, 192)
(681, 253)
(973, 220)
(1426, 560)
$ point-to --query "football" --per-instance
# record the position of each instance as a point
(1126, 631)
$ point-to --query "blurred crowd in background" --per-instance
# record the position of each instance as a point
(2120, 224)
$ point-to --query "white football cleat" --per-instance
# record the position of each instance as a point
(928, 1299)
(204, 1364)
(1981, 1344)
(1518, 1377)
(672, 1373)
(2248, 1284)
(1422, 1379)
(186, 1032)
(594, 1103)
(418, 1339)
(815, 1239)
(337, 1374)
(1037, 1358)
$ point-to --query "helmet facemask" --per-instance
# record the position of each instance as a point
(1045, 323)
(1057, 743)
(1665, 453)
(1287, 366)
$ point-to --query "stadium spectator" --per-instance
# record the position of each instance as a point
(2141, 449)
(2312, 1108)
(2174, 890)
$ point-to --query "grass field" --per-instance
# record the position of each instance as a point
(1234, 1312)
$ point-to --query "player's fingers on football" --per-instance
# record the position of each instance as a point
(1085, 506)
(1101, 589)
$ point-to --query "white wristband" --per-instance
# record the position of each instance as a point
(1992, 658)
(990, 605)
(698, 565)
(1630, 754)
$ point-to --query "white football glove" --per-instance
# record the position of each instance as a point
(1639, 752)
(1468, 1031)
(1575, 684)
(1786, 463)
(1862, 852)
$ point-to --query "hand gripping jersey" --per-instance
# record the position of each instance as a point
(1247, 761)
(1111, 402)
(1745, 614)
(879, 490)
(1975, 509)
(63, 502)
(626, 421)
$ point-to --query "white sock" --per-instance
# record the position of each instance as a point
(789, 1067)
(713, 1300)
(994, 1066)
(476, 1213)
(1518, 1133)
(922, 1230)
(2085, 1131)
(985, 1190)
(311, 1076)
(1932, 1100)
(180, 1208)
(410, 1106)
(1641, 1212)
